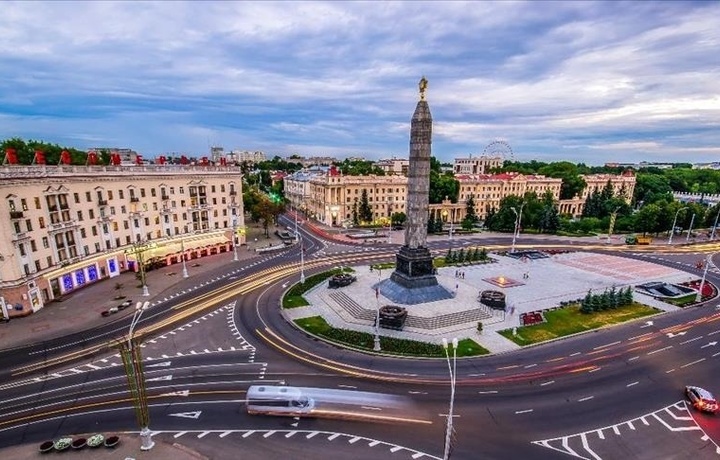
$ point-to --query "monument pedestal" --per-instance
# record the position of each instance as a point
(413, 280)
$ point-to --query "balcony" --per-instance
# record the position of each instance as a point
(16, 214)
(102, 203)
(134, 199)
(164, 197)
(233, 193)
(21, 236)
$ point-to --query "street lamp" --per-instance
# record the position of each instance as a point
(138, 250)
(445, 219)
(672, 230)
(698, 298)
(692, 221)
(302, 262)
(712, 235)
(376, 340)
(518, 217)
(235, 239)
(182, 250)
(132, 361)
(452, 370)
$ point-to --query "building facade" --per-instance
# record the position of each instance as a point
(67, 227)
(476, 165)
(394, 166)
(622, 185)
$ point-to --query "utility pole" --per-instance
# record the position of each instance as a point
(452, 369)
(182, 250)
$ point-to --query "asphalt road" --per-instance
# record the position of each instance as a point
(614, 393)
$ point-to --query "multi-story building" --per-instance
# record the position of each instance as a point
(476, 165)
(66, 227)
(622, 185)
(394, 166)
(307, 162)
(244, 155)
(330, 198)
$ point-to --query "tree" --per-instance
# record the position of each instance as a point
(586, 304)
(572, 184)
(470, 213)
(646, 218)
(431, 224)
(443, 185)
(365, 213)
(355, 213)
(398, 218)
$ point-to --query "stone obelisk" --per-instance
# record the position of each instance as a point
(413, 280)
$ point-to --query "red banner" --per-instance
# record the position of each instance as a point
(223, 161)
(39, 157)
(10, 156)
(65, 157)
(184, 160)
(204, 161)
(138, 160)
(115, 159)
(92, 158)
(161, 160)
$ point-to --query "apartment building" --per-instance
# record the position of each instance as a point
(66, 227)
(623, 184)
(394, 166)
(330, 197)
(476, 165)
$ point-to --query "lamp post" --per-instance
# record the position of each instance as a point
(672, 230)
(698, 298)
(712, 235)
(518, 217)
(445, 219)
(182, 250)
(235, 239)
(138, 250)
(376, 340)
(452, 370)
(132, 361)
(692, 221)
(302, 263)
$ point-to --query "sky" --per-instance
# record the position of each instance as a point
(586, 82)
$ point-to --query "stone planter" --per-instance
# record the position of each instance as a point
(96, 440)
(62, 444)
(79, 443)
(46, 447)
(112, 441)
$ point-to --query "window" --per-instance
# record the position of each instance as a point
(80, 215)
(97, 246)
(126, 225)
(123, 210)
(37, 266)
(91, 213)
(214, 200)
(142, 193)
(155, 206)
(136, 223)
(147, 221)
(182, 190)
(127, 239)
(172, 191)
(222, 188)
(21, 248)
(222, 200)
(212, 189)
(23, 203)
(76, 197)
(115, 226)
(49, 261)
(83, 233)
(26, 268)
(105, 229)
(33, 246)
(121, 195)
(88, 197)
(110, 194)
(37, 203)
(94, 230)
(112, 210)
(86, 250)
(17, 227)
(152, 192)
(28, 223)
(45, 242)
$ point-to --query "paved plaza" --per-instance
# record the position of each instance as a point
(529, 285)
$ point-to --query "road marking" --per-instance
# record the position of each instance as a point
(631, 384)
(488, 392)
(586, 398)
(691, 340)
(605, 346)
(633, 358)
(530, 365)
(547, 383)
(691, 363)
(709, 344)
(715, 332)
(659, 350)
(575, 354)
(193, 415)
(523, 411)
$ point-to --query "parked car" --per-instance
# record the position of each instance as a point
(701, 399)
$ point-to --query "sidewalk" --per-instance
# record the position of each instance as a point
(82, 309)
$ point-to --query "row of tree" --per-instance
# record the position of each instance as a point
(608, 300)
(462, 256)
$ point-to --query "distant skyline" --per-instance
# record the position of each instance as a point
(590, 82)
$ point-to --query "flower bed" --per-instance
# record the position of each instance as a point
(96, 440)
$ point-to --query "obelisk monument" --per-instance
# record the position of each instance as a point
(413, 280)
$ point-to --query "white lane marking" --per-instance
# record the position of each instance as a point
(575, 354)
(523, 411)
(586, 398)
(691, 340)
(633, 358)
(691, 363)
(547, 383)
(631, 384)
(489, 392)
(659, 350)
(607, 345)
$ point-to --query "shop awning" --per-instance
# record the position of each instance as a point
(174, 246)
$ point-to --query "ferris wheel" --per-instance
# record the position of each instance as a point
(501, 149)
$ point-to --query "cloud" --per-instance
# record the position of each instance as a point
(590, 80)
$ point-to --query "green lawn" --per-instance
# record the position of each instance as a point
(569, 320)
(294, 296)
(682, 301)
(364, 341)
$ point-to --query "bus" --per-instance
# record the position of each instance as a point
(278, 400)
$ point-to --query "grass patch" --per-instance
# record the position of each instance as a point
(569, 320)
(316, 325)
(293, 297)
(682, 301)
(383, 266)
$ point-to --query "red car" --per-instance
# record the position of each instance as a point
(701, 399)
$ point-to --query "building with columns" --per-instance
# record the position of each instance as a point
(623, 184)
(476, 165)
(70, 226)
